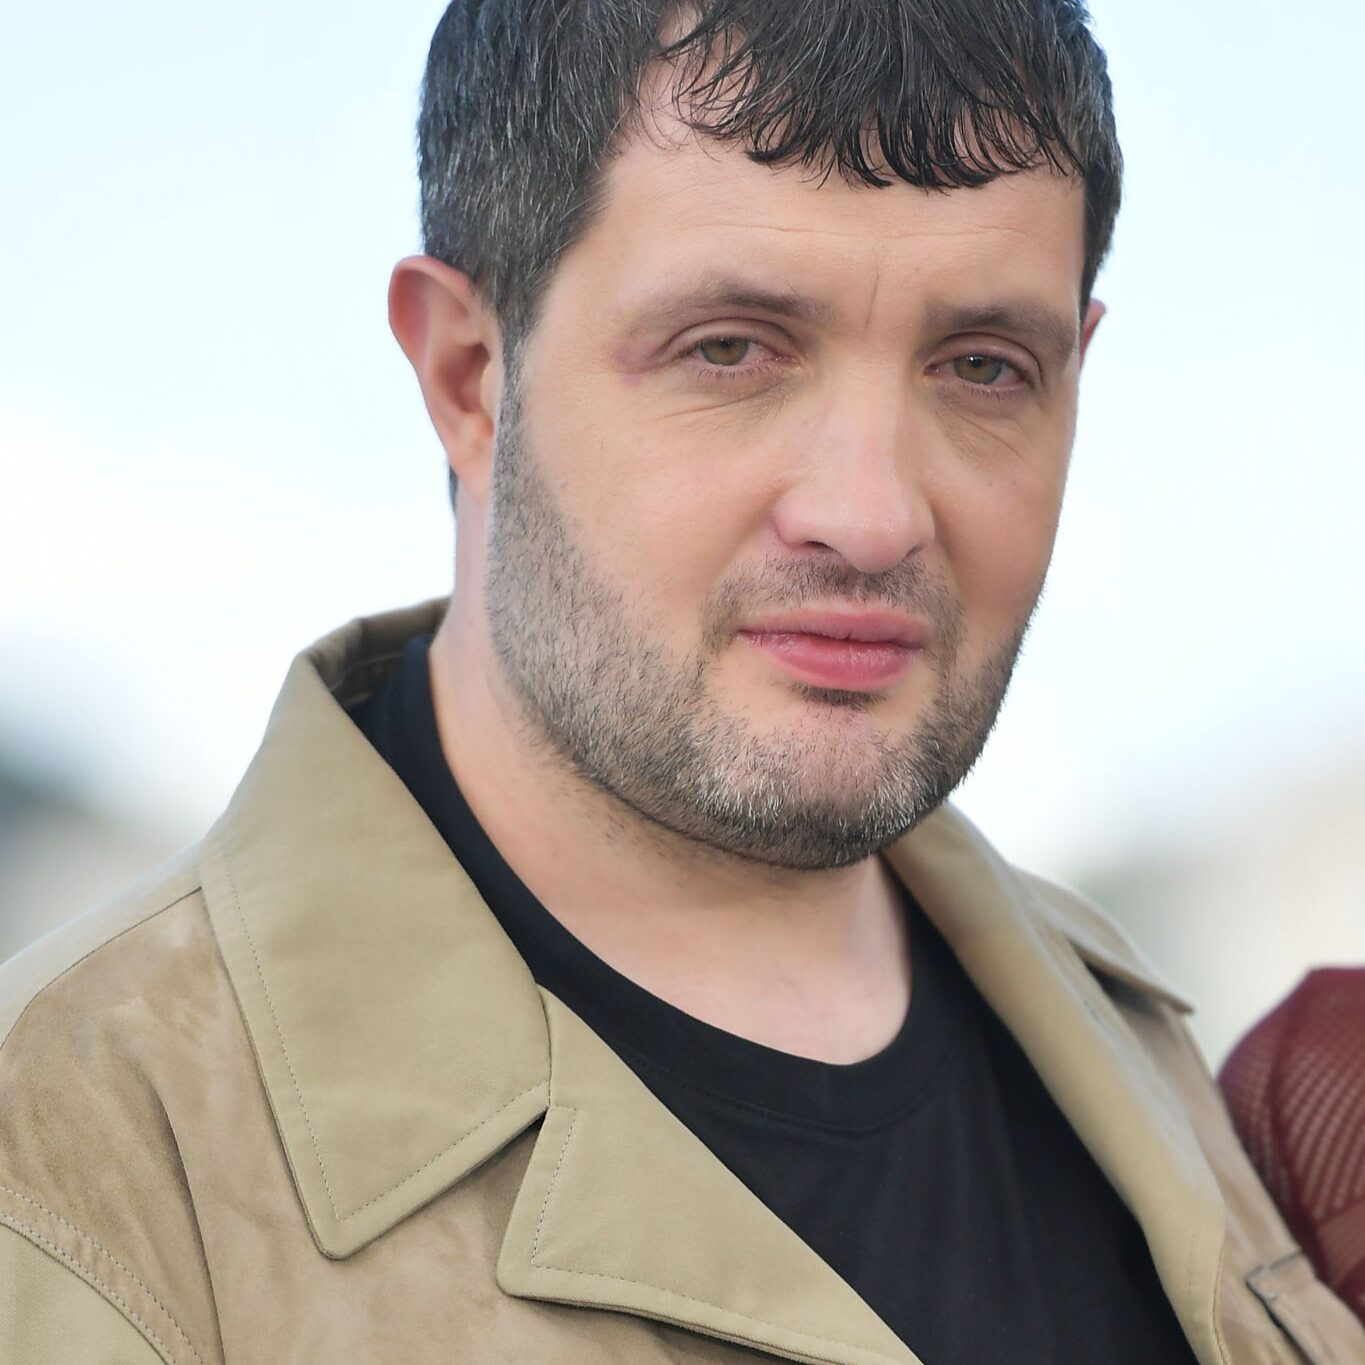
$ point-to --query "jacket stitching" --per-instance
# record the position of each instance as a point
(646, 1284)
(1190, 1248)
(550, 1189)
(303, 1108)
(104, 1251)
(706, 1303)
(1219, 1341)
(1186, 1045)
(1162, 1003)
(279, 1033)
(469, 1133)
(95, 1282)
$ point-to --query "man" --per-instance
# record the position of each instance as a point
(591, 970)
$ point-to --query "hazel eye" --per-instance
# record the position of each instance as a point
(725, 352)
(984, 370)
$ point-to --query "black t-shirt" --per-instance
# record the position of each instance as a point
(938, 1177)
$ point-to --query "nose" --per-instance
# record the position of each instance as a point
(862, 488)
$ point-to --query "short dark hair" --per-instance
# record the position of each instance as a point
(523, 101)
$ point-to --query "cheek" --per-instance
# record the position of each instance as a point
(997, 536)
(665, 515)
(996, 510)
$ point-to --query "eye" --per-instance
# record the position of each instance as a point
(985, 371)
(724, 352)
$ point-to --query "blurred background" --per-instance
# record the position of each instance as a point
(212, 452)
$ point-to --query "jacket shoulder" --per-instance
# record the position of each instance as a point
(32, 970)
(970, 866)
(1100, 942)
(113, 1032)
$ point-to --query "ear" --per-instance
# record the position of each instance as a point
(452, 341)
(1093, 314)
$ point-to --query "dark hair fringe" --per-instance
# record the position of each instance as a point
(936, 93)
(948, 110)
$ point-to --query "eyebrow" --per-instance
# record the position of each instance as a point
(1055, 334)
(714, 292)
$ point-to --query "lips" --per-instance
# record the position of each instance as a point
(863, 652)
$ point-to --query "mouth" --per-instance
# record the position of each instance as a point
(850, 652)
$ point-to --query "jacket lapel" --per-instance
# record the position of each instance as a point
(623, 1208)
(1034, 977)
(399, 1036)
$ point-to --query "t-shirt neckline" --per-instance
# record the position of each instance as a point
(399, 719)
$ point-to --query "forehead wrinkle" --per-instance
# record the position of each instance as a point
(876, 289)
(787, 229)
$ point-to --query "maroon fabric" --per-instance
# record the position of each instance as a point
(1296, 1088)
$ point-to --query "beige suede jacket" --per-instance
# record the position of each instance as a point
(298, 1099)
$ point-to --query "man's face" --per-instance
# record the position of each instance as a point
(759, 413)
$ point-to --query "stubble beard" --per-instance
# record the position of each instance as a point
(597, 689)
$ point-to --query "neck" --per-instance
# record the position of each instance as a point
(809, 962)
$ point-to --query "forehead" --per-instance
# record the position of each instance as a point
(676, 206)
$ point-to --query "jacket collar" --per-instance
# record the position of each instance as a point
(402, 1041)
(399, 1035)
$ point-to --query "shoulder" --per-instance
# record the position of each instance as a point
(109, 1032)
(81, 945)
(1099, 941)
(956, 864)
(94, 1017)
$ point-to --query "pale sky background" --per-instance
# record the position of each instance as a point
(212, 451)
